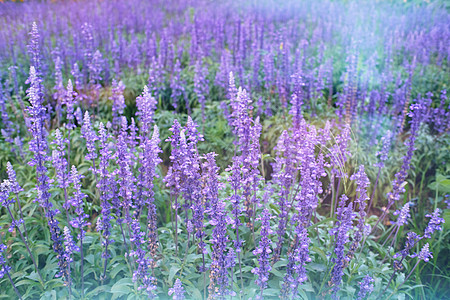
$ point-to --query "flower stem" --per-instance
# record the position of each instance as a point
(12, 283)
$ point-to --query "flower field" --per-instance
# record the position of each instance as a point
(224, 149)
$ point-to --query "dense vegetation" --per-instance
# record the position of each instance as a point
(201, 149)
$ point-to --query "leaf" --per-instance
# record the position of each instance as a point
(121, 287)
(33, 276)
(98, 290)
(317, 267)
(173, 270)
(25, 281)
(115, 270)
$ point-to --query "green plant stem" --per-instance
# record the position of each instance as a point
(68, 149)
(374, 189)
(105, 262)
(406, 279)
(69, 280)
(176, 224)
(82, 268)
(240, 271)
(337, 196)
(12, 283)
(21, 216)
(333, 194)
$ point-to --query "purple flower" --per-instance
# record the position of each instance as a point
(222, 260)
(201, 85)
(297, 99)
(424, 253)
(156, 76)
(172, 178)
(60, 92)
(177, 290)
(146, 105)
(440, 115)
(90, 137)
(79, 116)
(106, 190)
(210, 179)
(59, 160)
(362, 183)
(365, 287)
(263, 251)
(15, 187)
(416, 115)
(5, 190)
(177, 85)
(69, 102)
(297, 259)
(39, 146)
(341, 230)
(9, 130)
(384, 152)
(118, 101)
(69, 245)
(403, 215)
(143, 262)
(95, 68)
(434, 224)
(77, 201)
(150, 161)
(284, 173)
(126, 180)
(4, 268)
(235, 199)
(34, 47)
(411, 239)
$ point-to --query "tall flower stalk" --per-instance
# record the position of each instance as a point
(263, 253)
(81, 220)
(38, 146)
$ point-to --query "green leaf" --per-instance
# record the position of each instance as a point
(33, 276)
(121, 287)
(116, 269)
(173, 270)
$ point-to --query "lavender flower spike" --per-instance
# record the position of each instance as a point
(366, 287)
(90, 137)
(177, 291)
(434, 224)
(263, 251)
(424, 254)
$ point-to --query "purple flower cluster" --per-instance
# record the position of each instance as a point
(91, 137)
(403, 215)
(281, 65)
(424, 253)
(177, 291)
(77, 202)
(146, 105)
(340, 232)
(222, 256)
(105, 187)
(365, 287)
(118, 101)
(263, 252)
(362, 183)
(4, 268)
(434, 224)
